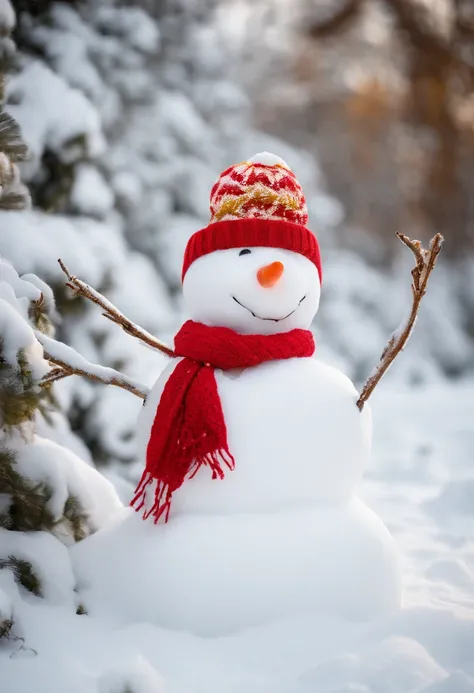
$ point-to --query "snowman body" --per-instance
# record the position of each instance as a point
(282, 532)
(216, 573)
(295, 432)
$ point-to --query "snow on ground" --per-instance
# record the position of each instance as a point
(45, 462)
(421, 482)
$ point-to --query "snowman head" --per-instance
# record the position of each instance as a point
(255, 268)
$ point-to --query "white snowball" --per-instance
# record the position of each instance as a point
(268, 159)
(294, 430)
(222, 289)
(216, 574)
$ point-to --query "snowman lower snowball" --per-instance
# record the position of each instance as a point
(253, 447)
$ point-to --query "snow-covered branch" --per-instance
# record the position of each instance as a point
(69, 362)
(112, 313)
(425, 262)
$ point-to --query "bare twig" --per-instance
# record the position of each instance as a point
(425, 262)
(112, 313)
(69, 362)
(53, 376)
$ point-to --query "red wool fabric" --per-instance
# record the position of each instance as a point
(252, 232)
(255, 204)
(189, 429)
(252, 189)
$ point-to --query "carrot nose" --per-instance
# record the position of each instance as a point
(270, 274)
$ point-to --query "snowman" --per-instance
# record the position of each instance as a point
(253, 447)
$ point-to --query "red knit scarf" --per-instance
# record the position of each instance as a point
(189, 429)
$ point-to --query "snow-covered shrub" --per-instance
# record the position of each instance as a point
(49, 497)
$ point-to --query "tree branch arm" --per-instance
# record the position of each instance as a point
(112, 313)
(425, 263)
(69, 362)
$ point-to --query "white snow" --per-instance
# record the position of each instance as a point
(426, 647)
(268, 159)
(18, 334)
(44, 461)
(35, 241)
(138, 675)
(221, 288)
(215, 574)
(66, 354)
(7, 15)
(133, 24)
(5, 604)
(66, 115)
(90, 194)
(56, 428)
(23, 287)
(43, 290)
(184, 122)
(261, 401)
(49, 561)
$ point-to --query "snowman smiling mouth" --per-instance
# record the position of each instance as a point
(271, 319)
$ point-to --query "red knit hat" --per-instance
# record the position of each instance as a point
(256, 203)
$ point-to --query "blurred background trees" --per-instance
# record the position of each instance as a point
(384, 91)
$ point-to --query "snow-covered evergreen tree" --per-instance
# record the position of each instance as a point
(49, 497)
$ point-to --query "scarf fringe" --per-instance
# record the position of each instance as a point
(163, 493)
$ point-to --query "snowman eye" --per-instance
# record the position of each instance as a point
(245, 251)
